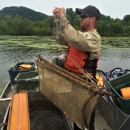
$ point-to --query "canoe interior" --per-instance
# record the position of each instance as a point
(114, 117)
(32, 96)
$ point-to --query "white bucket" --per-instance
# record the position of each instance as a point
(14, 88)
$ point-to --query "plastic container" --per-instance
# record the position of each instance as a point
(27, 80)
(13, 71)
(115, 87)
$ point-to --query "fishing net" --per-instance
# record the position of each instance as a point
(74, 96)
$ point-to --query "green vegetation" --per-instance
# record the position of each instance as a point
(48, 42)
(115, 42)
(26, 22)
(24, 26)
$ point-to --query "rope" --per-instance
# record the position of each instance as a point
(83, 70)
(60, 69)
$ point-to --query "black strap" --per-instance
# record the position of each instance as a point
(88, 54)
(90, 65)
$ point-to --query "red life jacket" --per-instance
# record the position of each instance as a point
(81, 58)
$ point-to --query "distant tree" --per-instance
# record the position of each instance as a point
(2, 16)
(117, 20)
(70, 14)
(76, 22)
(116, 28)
(48, 21)
(39, 24)
(127, 18)
(4, 29)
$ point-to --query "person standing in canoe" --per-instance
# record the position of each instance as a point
(83, 46)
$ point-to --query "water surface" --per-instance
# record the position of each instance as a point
(11, 54)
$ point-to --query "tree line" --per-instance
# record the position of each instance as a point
(17, 25)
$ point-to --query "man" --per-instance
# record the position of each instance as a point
(83, 46)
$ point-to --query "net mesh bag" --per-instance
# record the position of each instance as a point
(74, 96)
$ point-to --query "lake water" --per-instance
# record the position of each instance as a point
(10, 55)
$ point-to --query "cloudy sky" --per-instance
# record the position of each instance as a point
(113, 8)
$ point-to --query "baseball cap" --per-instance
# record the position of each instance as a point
(90, 10)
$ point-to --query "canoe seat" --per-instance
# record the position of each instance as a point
(19, 112)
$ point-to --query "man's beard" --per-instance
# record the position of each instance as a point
(84, 27)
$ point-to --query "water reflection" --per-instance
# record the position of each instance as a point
(110, 59)
(12, 54)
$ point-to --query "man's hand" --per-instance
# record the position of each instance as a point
(60, 11)
(54, 14)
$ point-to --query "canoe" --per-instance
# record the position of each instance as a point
(58, 118)
(5, 99)
(23, 84)
(115, 117)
